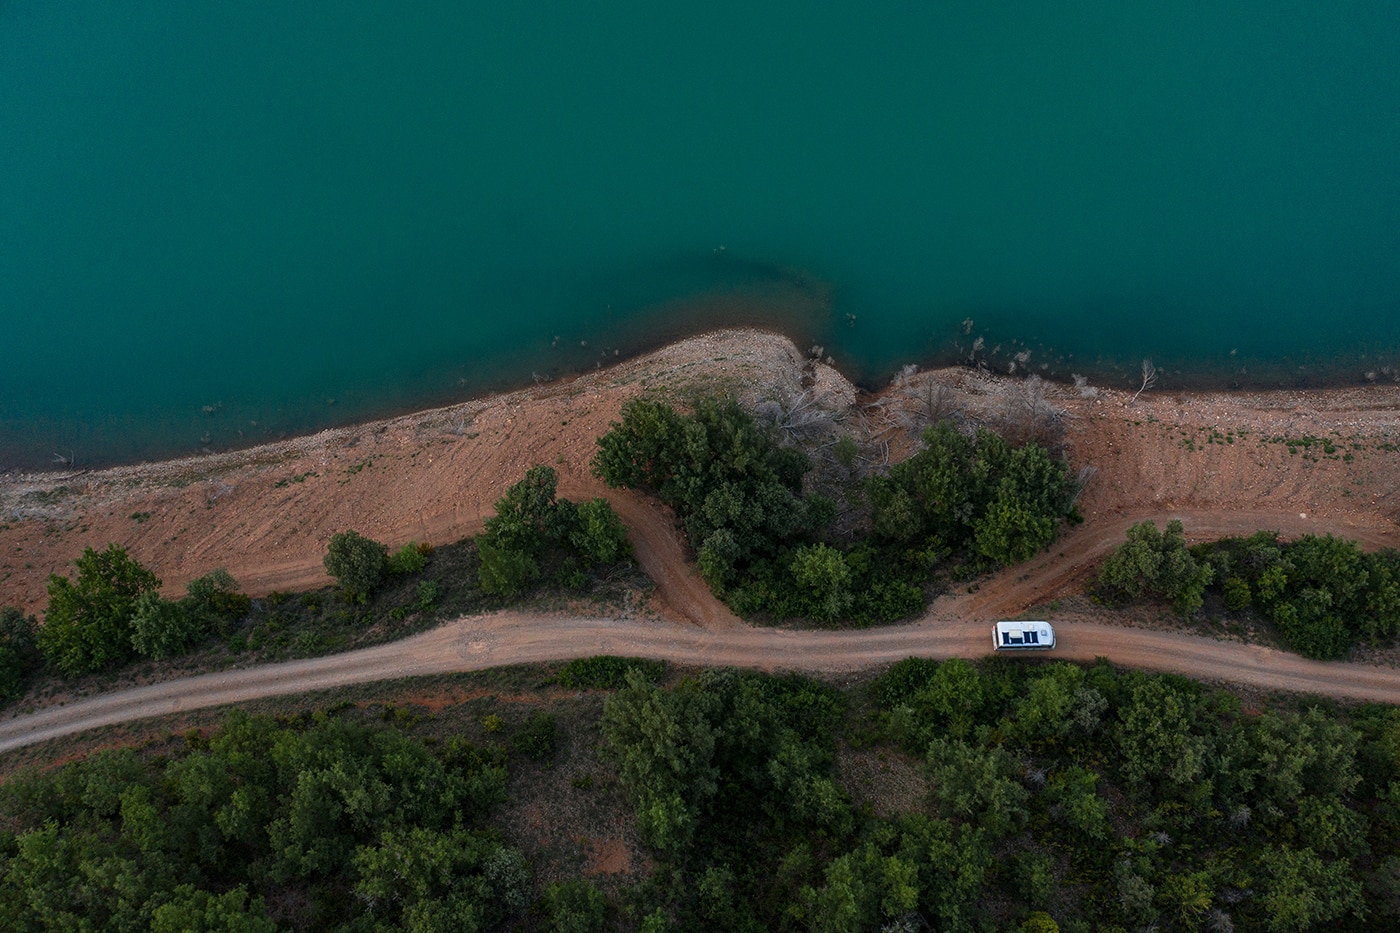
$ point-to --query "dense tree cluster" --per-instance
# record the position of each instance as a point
(731, 775)
(1156, 563)
(764, 547)
(534, 534)
(976, 494)
(1059, 797)
(1323, 593)
(1164, 803)
(114, 611)
(326, 826)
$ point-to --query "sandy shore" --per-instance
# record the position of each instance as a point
(266, 513)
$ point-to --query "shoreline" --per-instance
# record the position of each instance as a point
(971, 349)
(265, 512)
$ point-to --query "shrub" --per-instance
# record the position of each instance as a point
(903, 680)
(823, 578)
(163, 629)
(357, 563)
(411, 558)
(575, 907)
(217, 594)
(537, 737)
(19, 631)
(600, 536)
(504, 571)
(607, 672)
(19, 652)
(1236, 593)
(13, 673)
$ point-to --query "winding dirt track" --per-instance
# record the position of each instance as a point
(700, 630)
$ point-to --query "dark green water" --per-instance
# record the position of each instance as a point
(260, 207)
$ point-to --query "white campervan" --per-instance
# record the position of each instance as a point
(1017, 636)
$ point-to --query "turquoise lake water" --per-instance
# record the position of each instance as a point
(295, 214)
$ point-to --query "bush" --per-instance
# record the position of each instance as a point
(87, 626)
(823, 579)
(163, 629)
(411, 558)
(19, 651)
(600, 537)
(504, 571)
(898, 684)
(216, 594)
(607, 672)
(575, 907)
(357, 563)
(18, 631)
(1236, 593)
(537, 737)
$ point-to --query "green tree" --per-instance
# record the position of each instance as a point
(600, 536)
(1381, 616)
(1158, 563)
(1300, 892)
(665, 747)
(978, 784)
(1075, 802)
(191, 910)
(1157, 739)
(358, 564)
(948, 702)
(575, 907)
(1010, 531)
(824, 578)
(19, 651)
(458, 880)
(87, 626)
(1043, 714)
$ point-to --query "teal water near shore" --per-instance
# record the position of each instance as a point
(221, 223)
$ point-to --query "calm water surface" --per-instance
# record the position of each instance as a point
(223, 222)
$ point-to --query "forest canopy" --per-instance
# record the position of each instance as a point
(966, 797)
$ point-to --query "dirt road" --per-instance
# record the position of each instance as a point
(509, 638)
(700, 630)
